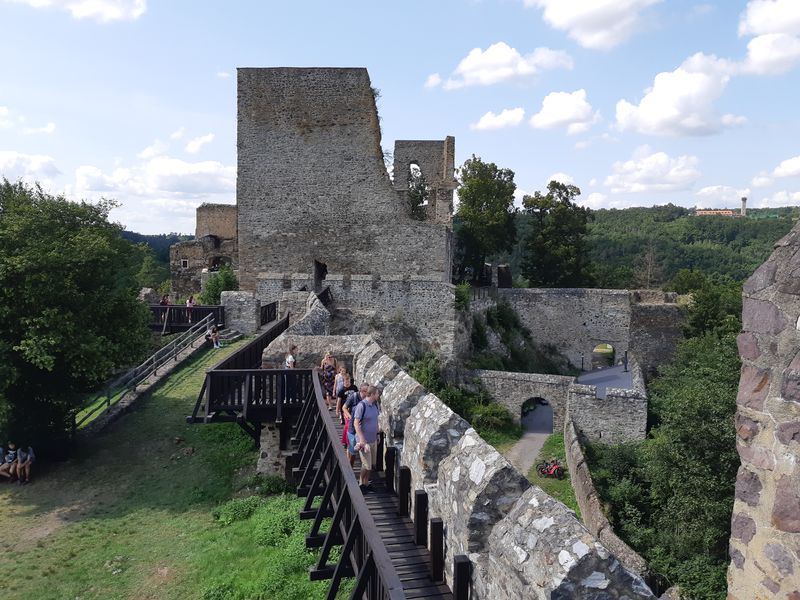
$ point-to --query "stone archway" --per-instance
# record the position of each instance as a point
(603, 356)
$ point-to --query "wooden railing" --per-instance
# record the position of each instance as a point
(114, 390)
(268, 313)
(323, 471)
(231, 380)
(178, 318)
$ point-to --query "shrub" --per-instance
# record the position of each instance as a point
(463, 296)
(221, 281)
(276, 521)
(491, 416)
(237, 510)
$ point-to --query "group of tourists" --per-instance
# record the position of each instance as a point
(16, 463)
(357, 408)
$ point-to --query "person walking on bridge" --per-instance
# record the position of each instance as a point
(365, 418)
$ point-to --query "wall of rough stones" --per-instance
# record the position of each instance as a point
(513, 389)
(242, 311)
(520, 541)
(310, 166)
(425, 304)
(645, 322)
(436, 160)
(200, 254)
(765, 527)
(592, 513)
(619, 417)
(216, 219)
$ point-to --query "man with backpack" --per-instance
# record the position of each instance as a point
(365, 417)
(353, 400)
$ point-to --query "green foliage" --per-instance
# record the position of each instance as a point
(684, 474)
(68, 309)
(491, 416)
(716, 305)
(554, 251)
(273, 526)
(152, 273)
(485, 218)
(686, 281)
(560, 489)
(463, 296)
(238, 509)
(418, 192)
(221, 281)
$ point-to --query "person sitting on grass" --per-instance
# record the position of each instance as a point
(25, 460)
(8, 468)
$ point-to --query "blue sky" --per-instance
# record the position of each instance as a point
(637, 102)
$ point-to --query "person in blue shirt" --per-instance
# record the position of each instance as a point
(365, 417)
(8, 468)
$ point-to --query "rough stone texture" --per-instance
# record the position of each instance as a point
(364, 359)
(149, 296)
(382, 372)
(398, 399)
(591, 507)
(316, 320)
(292, 302)
(242, 311)
(271, 460)
(765, 528)
(424, 303)
(309, 159)
(619, 417)
(435, 160)
(539, 550)
(645, 322)
(215, 244)
(513, 389)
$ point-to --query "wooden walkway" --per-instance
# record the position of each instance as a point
(412, 562)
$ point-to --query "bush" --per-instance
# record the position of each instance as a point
(463, 296)
(221, 281)
(238, 509)
(277, 521)
(491, 416)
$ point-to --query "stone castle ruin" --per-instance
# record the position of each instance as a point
(316, 209)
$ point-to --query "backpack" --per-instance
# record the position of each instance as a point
(352, 400)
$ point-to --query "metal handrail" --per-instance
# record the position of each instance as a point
(133, 377)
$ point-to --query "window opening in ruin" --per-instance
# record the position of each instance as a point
(603, 356)
(184, 263)
(418, 192)
(537, 415)
(320, 273)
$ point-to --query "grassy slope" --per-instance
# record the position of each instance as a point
(560, 490)
(129, 516)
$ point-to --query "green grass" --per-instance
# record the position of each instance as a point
(560, 490)
(129, 516)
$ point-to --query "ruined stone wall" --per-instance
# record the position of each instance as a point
(513, 389)
(242, 311)
(199, 255)
(216, 219)
(765, 528)
(436, 161)
(591, 507)
(425, 304)
(619, 417)
(521, 542)
(311, 174)
(574, 320)
(654, 333)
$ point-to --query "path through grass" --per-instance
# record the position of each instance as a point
(129, 516)
(558, 489)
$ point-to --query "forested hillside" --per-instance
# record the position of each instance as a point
(646, 247)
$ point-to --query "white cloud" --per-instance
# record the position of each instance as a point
(772, 54)
(680, 102)
(720, 196)
(49, 128)
(599, 24)
(519, 194)
(433, 80)
(770, 16)
(500, 62)
(154, 149)
(568, 109)
(594, 201)
(103, 11)
(223, 74)
(649, 171)
(762, 180)
(177, 134)
(174, 175)
(782, 198)
(5, 120)
(509, 117)
(194, 146)
(788, 168)
(560, 178)
(29, 167)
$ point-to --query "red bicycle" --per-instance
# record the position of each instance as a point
(550, 469)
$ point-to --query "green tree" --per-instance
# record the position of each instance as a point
(221, 281)
(485, 216)
(152, 273)
(716, 305)
(555, 252)
(68, 309)
(418, 192)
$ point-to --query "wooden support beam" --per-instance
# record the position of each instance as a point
(462, 569)
(437, 549)
(391, 454)
(420, 518)
(404, 492)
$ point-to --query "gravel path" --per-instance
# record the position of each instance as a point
(538, 425)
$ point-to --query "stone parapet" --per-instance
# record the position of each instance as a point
(242, 311)
(315, 321)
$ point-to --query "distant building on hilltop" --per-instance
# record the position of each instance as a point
(723, 212)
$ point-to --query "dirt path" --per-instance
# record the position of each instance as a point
(538, 425)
